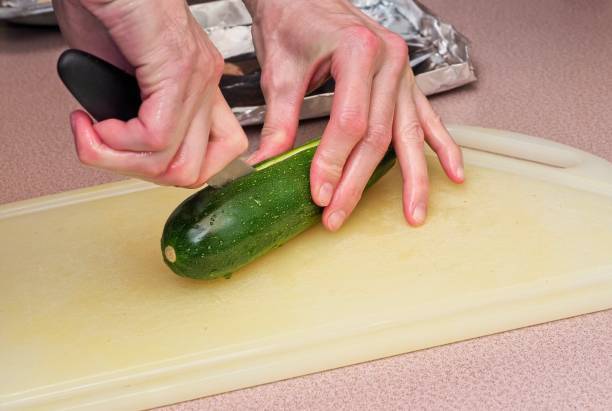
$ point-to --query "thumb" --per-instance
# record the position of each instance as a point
(284, 97)
(226, 142)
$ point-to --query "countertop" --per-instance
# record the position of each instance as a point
(544, 70)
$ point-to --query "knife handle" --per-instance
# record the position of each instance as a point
(103, 89)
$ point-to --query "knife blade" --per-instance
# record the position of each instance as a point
(106, 91)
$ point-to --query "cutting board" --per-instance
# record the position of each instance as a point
(92, 319)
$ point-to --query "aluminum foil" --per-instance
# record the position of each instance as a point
(36, 12)
(439, 55)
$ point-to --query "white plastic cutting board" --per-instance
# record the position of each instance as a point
(91, 318)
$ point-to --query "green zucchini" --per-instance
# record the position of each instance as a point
(216, 231)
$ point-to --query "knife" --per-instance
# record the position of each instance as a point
(106, 91)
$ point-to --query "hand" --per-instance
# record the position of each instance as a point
(185, 131)
(299, 43)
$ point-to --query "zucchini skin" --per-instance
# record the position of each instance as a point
(216, 231)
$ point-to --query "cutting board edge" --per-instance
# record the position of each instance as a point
(80, 195)
(152, 393)
(536, 171)
(535, 149)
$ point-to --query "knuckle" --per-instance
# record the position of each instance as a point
(378, 139)
(364, 38)
(433, 118)
(200, 64)
(185, 64)
(159, 140)
(217, 65)
(274, 81)
(273, 136)
(266, 80)
(87, 157)
(379, 133)
(396, 46)
(411, 134)
(329, 164)
(155, 169)
(193, 55)
(186, 180)
(352, 122)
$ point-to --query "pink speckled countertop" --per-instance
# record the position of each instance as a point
(544, 69)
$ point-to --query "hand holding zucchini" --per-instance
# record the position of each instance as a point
(217, 231)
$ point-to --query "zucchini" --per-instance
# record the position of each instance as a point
(216, 231)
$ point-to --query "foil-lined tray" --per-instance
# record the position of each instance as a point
(35, 12)
(439, 54)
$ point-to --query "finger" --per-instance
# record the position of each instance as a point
(184, 168)
(94, 152)
(173, 91)
(227, 140)
(438, 137)
(408, 141)
(187, 168)
(370, 150)
(284, 96)
(163, 118)
(353, 68)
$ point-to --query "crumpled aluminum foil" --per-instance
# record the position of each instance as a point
(38, 12)
(439, 55)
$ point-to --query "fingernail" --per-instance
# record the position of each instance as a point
(419, 213)
(336, 219)
(325, 194)
(459, 172)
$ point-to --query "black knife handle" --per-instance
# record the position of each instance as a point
(104, 90)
